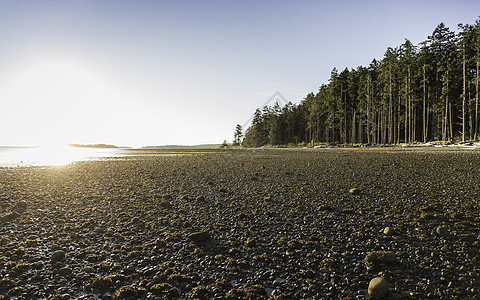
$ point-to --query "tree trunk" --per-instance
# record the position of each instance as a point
(398, 119)
(394, 125)
(451, 126)
(427, 113)
(445, 122)
(390, 112)
(360, 130)
(406, 110)
(424, 130)
(354, 127)
(470, 113)
(476, 103)
(410, 106)
(386, 123)
(414, 126)
(368, 109)
(464, 94)
(374, 129)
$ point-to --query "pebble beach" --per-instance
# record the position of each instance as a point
(245, 224)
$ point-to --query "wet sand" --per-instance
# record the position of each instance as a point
(233, 224)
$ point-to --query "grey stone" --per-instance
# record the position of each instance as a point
(354, 191)
(220, 257)
(201, 237)
(378, 288)
(395, 296)
(166, 204)
(21, 206)
(388, 231)
(9, 217)
(442, 231)
(58, 255)
(65, 271)
(250, 242)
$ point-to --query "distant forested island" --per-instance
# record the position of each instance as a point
(425, 92)
(93, 146)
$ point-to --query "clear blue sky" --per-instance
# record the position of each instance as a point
(184, 72)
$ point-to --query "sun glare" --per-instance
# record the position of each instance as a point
(59, 155)
(55, 155)
(56, 103)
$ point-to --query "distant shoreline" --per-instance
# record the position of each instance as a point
(106, 146)
(179, 147)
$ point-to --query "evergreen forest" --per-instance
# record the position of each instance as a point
(415, 93)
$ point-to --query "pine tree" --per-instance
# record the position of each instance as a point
(430, 92)
(237, 135)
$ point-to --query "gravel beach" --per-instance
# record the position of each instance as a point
(245, 224)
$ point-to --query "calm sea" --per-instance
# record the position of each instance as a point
(54, 156)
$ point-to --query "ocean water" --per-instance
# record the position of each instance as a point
(54, 156)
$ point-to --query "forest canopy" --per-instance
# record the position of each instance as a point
(415, 93)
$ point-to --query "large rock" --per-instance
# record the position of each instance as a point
(21, 206)
(58, 255)
(442, 231)
(389, 231)
(380, 257)
(250, 242)
(9, 217)
(355, 191)
(200, 238)
(378, 288)
(65, 271)
(166, 204)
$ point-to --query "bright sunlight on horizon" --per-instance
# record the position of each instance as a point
(153, 73)
(57, 103)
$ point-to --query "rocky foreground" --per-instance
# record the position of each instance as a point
(284, 224)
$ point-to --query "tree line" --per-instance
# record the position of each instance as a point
(425, 92)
